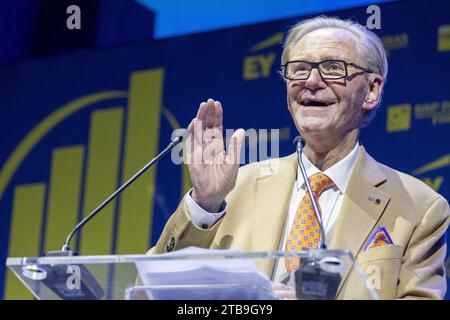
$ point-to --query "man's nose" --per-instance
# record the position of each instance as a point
(315, 81)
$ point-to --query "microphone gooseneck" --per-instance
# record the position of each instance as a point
(299, 143)
(65, 248)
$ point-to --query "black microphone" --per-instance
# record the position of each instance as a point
(179, 138)
(313, 280)
(57, 277)
(299, 143)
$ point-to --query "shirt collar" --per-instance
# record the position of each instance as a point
(339, 172)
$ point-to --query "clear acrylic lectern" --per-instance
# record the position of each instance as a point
(187, 275)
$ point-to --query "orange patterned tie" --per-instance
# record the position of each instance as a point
(305, 230)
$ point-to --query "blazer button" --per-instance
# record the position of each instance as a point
(171, 244)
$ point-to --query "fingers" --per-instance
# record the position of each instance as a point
(195, 130)
(235, 147)
(203, 145)
(206, 133)
(280, 286)
(194, 143)
(219, 114)
(210, 113)
(283, 291)
(200, 136)
(213, 145)
(201, 111)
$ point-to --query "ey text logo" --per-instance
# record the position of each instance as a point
(259, 65)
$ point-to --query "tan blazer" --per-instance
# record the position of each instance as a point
(415, 216)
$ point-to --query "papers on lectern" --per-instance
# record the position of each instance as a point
(180, 277)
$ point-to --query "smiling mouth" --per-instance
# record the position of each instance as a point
(315, 103)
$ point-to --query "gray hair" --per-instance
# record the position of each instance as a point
(370, 47)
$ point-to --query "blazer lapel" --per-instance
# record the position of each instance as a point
(273, 189)
(362, 206)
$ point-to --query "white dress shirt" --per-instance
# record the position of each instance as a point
(330, 202)
(202, 218)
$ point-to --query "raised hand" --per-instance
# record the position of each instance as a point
(213, 171)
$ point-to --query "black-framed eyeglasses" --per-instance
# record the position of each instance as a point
(328, 69)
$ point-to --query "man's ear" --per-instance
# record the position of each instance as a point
(376, 84)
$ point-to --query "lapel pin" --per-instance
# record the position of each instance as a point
(377, 201)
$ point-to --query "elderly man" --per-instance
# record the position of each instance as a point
(335, 71)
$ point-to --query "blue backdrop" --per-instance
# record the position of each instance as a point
(73, 127)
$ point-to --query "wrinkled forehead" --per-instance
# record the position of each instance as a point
(326, 43)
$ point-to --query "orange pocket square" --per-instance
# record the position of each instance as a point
(379, 238)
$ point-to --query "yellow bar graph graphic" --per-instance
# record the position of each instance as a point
(101, 179)
(64, 195)
(25, 234)
(141, 144)
(81, 177)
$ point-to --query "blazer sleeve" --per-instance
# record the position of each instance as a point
(181, 232)
(422, 275)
